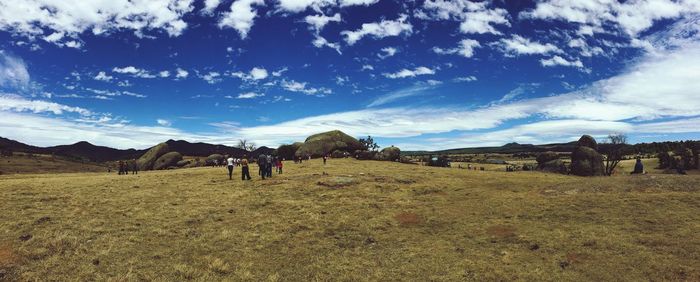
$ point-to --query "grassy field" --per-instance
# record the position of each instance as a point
(25, 163)
(360, 220)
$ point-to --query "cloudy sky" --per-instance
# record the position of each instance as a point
(430, 74)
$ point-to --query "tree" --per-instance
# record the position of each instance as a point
(614, 151)
(246, 145)
(368, 143)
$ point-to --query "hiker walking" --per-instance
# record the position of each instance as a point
(268, 165)
(245, 172)
(230, 162)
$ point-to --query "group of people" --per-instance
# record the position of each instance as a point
(125, 166)
(266, 163)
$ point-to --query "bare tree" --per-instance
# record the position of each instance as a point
(246, 145)
(614, 151)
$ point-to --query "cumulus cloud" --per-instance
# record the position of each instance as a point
(181, 74)
(295, 6)
(241, 16)
(382, 29)
(103, 76)
(295, 86)
(317, 22)
(211, 77)
(387, 52)
(254, 74)
(559, 61)
(631, 17)
(61, 22)
(518, 45)
(403, 73)
(134, 71)
(249, 95)
(465, 49)
(475, 17)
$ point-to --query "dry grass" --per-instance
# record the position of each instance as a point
(23, 163)
(383, 221)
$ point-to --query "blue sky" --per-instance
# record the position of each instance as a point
(417, 74)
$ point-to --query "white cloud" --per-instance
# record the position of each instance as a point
(164, 74)
(14, 103)
(519, 45)
(164, 122)
(13, 71)
(382, 29)
(294, 86)
(249, 95)
(412, 91)
(279, 72)
(295, 6)
(60, 22)
(631, 17)
(181, 74)
(559, 61)
(367, 67)
(102, 76)
(465, 48)
(210, 6)
(317, 22)
(212, 77)
(253, 75)
(410, 73)
(387, 52)
(320, 42)
(241, 16)
(134, 71)
(475, 17)
(465, 78)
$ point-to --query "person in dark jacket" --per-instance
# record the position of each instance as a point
(262, 160)
(245, 171)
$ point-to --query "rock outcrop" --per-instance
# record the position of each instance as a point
(324, 143)
(167, 160)
(148, 159)
(389, 154)
(585, 159)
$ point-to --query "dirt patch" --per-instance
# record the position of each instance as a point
(408, 219)
(8, 260)
(501, 231)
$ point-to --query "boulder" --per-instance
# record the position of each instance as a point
(588, 141)
(546, 157)
(337, 154)
(364, 155)
(148, 159)
(183, 163)
(214, 159)
(389, 154)
(552, 166)
(287, 151)
(167, 160)
(324, 143)
(585, 161)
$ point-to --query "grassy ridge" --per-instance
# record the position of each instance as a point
(363, 221)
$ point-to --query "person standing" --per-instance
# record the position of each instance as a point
(325, 157)
(268, 165)
(230, 162)
(245, 172)
(134, 167)
(279, 166)
(261, 166)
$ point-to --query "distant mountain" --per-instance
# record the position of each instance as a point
(510, 148)
(86, 151)
(202, 149)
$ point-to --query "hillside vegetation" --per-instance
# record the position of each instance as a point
(362, 220)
